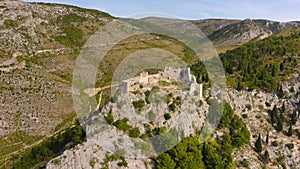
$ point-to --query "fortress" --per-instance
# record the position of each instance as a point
(168, 75)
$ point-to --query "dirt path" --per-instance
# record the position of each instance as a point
(93, 91)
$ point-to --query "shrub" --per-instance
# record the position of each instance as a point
(73, 37)
(135, 132)
(92, 162)
(260, 107)
(290, 145)
(147, 96)
(122, 124)
(178, 100)
(158, 130)
(57, 161)
(275, 143)
(249, 107)
(172, 107)
(268, 104)
(10, 23)
(110, 118)
(138, 104)
(167, 116)
(245, 163)
(245, 116)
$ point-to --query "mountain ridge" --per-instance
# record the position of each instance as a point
(40, 43)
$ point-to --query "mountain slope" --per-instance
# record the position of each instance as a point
(227, 34)
(39, 43)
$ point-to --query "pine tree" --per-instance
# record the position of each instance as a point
(266, 157)
(274, 115)
(294, 118)
(279, 125)
(239, 86)
(283, 107)
(281, 117)
(267, 139)
(280, 91)
(290, 131)
(281, 66)
(274, 70)
(258, 144)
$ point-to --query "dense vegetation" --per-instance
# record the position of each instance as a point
(263, 64)
(39, 155)
(192, 153)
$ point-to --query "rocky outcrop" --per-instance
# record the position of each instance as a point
(251, 106)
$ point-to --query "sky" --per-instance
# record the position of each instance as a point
(276, 10)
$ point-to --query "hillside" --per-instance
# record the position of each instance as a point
(238, 33)
(39, 45)
(264, 64)
(259, 127)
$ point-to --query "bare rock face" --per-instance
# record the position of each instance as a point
(91, 155)
(239, 33)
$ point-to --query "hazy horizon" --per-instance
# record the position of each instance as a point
(195, 10)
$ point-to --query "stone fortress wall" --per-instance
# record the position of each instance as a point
(179, 75)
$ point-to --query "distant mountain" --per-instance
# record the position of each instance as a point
(227, 34)
(209, 26)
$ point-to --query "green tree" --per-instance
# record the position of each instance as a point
(294, 118)
(281, 66)
(147, 96)
(258, 144)
(239, 132)
(266, 157)
(212, 156)
(290, 131)
(187, 154)
(267, 139)
(279, 125)
(280, 92)
(226, 116)
(164, 161)
(274, 115)
(283, 107)
(239, 86)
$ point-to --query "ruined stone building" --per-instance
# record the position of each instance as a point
(169, 75)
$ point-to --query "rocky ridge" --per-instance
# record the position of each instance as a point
(252, 106)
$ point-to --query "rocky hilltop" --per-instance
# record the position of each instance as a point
(163, 102)
(253, 107)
